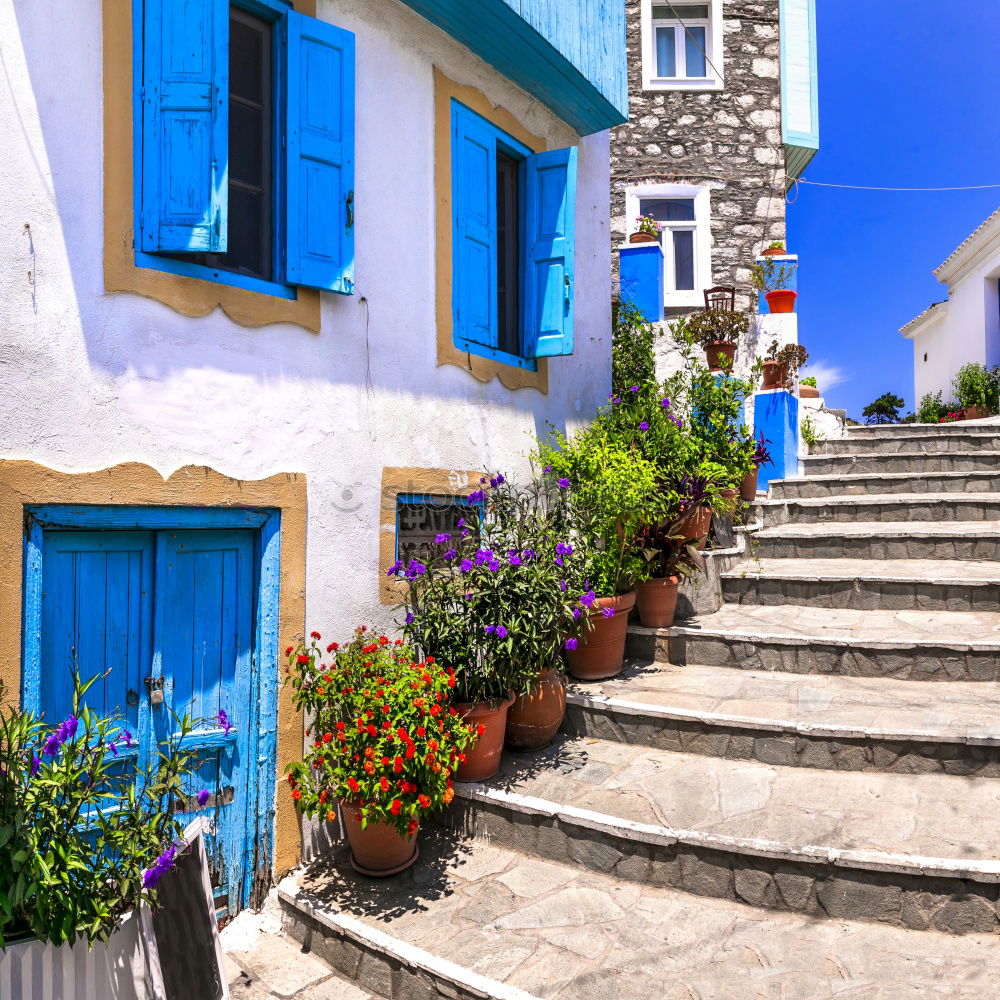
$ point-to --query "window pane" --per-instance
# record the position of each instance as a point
(694, 52)
(683, 12)
(684, 260)
(508, 256)
(666, 54)
(668, 209)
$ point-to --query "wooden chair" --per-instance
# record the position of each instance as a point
(722, 298)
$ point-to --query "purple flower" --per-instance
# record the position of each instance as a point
(497, 480)
(394, 568)
(493, 565)
(408, 618)
(563, 483)
(634, 388)
(223, 719)
(514, 559)
(489, 629)
(564, 549)
(461, 523)
(528, 554)
(442, 538)
(563, 586)
(483, 556)
(571, 644)
(467, 565)
(35, 764)
(611, 395)
(577, 614)
(678, 423)
(644, 426)
(161, 866)
(64, 732)
(548, 468)
(450, 554)
(665, 403)
(415, 569)
(615, 400)
(608, 612)
(501, 632)
(558, 560)
(587, 599)
(476, 496)
(203, 796)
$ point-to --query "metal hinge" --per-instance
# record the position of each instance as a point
(350, 208)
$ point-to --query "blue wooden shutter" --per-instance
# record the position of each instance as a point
(319, 248)
(474, 229)
(549, 237)
(185, 125)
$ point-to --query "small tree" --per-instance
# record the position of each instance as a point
(633, 358)
(885, 409)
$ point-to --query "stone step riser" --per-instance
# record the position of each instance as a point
(725, 871)
(833, 465)
(862, 594)
(928, 444)
(780, 747)
(819, 657)
(957, 509)
(896, 547)
(808, 489)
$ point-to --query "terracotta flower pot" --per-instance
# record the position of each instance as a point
(601, 653)
(720, 355)
(696, 524)
(782, 300)
(748, 487)
(657, 601)
(482, 759)
(378, 849)
(642, 238)
(774, 252)
(535, 717)
(808, 392)
(977, 412)
(775, 373)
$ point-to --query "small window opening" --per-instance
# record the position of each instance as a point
(508, 254)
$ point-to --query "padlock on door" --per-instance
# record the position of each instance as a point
(155, 687)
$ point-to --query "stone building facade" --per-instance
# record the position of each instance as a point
(715, 139)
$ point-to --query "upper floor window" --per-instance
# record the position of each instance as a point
(244, 150)
(682, 45)
(513, 235)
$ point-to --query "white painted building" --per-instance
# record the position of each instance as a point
(966, 326)
(301, 380)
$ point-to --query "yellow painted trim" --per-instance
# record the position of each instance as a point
(190, 296)
(395, 480)
(484, 369)
(23, 483)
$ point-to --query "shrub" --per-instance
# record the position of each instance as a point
(768, 275)
(633, 360)
(809, 381)
(717, 325)
(976, 385)
(385, 740)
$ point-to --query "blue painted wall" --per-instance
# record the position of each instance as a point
(776, 416)
(640, 273)
(569, 53)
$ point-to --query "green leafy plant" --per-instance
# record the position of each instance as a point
(932, 409)
(714, 325)
(85, 833)
(767, 275)
(776, 245)
(809, 432)
(633, 361)
(648, 225)
(794, 357)
(809, 381)
(385, 740)
(977, 385)
(884, 410)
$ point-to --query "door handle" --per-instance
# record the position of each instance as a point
(567, 285)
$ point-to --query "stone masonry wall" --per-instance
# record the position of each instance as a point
(729, 140)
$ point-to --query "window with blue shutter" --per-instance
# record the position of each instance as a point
(513, 234)
(244, 124)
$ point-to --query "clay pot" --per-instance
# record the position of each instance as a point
(782, 300)
(774, 252)
(535, 717)
(696, 524)
(482, 759)
(808, 392)
(977, 412)
(642, 238)
(601, 653)
(378, 849)
(720, 355)
(748, 488)
(775, 374)
(657, 601)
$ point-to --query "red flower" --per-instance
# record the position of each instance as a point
(333, 647)
(413, 825)
(386, 709)
(315, 635)
(383, 640)
(352, 784)
(369, 752)
(421, 732)
(397, 765)
(372, 731)
(296, 795)
(480, 729)
(435, 709)
(369, 767)
(424, 801)
(291, 780)
(301, 658)
(384, 784)
(328, 736)
(402, 734)
(322, 795)
(395, 807)
(410, 751)
(330, 815)
(340, 727)
(288, 652)
(430, 659)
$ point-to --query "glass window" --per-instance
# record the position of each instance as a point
(683, 260)
(668, 209)
(682, 36)
(420, 519)
(666, 52)
(694, 52)
(680, 11)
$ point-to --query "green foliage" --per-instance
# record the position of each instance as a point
(633, 361)
(80, 824)
(884, 410)
(767, 275)
(809, 433)
(809, 381)
(794, 357)
(490, 602)
(932, 409)
(714, 325)
(977, 385)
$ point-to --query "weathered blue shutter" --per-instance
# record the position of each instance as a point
(474, 229)
(319, 249)
(185, 125)
(549, 237)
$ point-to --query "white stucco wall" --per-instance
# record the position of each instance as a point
(89, 379)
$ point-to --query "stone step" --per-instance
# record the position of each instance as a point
(517, 927)
(918, 462)
(978, 540)
(884, 507)
(897, 848)
(907, 645)
(928, 442)
(888, 585)
(920, 430)
(881, 483)
(830, 722)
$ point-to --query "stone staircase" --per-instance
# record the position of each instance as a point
(795, 796)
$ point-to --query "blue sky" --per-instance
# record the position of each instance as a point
(908, 97)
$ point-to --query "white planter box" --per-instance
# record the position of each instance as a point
(31, 970)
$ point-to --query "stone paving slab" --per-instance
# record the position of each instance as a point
(861, 484)
(938, 821)
(903, 461)
(885, 507)
(558, 933)
(943, 571)
(882, 529)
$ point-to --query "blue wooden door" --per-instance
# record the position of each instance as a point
(138, 606)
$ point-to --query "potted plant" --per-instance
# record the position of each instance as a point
(647, 230)
(772, 279)
(775, 249)
(808, 389)
(773, 375)
(977, 389)
(760, 456)
(792, 357)
(718, 333)
(385, 743)
(86, 832)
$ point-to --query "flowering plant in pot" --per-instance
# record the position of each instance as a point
(385, 743)
(772, 279)
(760, 456)
(718, 332)
(647, 230)
(978, 390)
(775, 249)
(86, 830)
(489, 602)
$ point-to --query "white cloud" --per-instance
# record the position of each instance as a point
(826, 375)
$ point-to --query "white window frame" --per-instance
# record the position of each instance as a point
(672, 298)
(715, 78)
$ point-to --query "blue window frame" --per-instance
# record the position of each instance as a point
(182, 129)
(544, 265)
